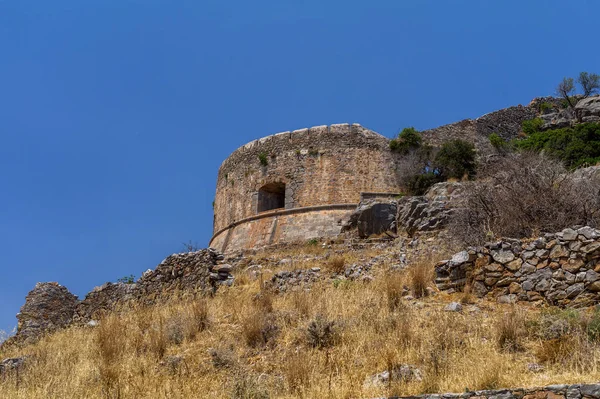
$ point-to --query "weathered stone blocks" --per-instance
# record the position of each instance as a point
(551, 268)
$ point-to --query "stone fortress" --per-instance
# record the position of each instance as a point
(299, 185)
(304, 184)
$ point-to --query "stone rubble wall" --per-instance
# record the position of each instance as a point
(50, 306)
(561, 269)
(505, 122)
(575, 391)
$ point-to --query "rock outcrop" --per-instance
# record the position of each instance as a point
(429, 212)
(561, 269)
(48, 307)
(373, 217)
(557, 116)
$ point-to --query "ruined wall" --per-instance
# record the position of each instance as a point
(575, 391)
(319, 166)
(284, 226)
(505, 122)
(561, 269)
(50, 306)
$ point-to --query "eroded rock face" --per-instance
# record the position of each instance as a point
(48, 307)
(373, 217)
(431, 211)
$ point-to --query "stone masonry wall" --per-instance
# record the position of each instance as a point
(321, 165)
(559, 269)
(576, 391)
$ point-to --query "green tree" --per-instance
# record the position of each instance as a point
(408, 139)
(456, 159)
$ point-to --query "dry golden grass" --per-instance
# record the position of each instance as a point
(248, 343)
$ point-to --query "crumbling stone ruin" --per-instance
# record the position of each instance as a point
(50, 306)
(576, 391)
(561, 269)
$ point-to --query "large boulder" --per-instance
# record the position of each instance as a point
(48, 307)
(589, 109)
(431, 211)
(373, 217)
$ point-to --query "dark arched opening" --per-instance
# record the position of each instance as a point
(271, 196)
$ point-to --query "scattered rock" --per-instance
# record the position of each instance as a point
(454, 307)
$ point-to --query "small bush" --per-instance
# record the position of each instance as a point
(394, 290)
(532, 126)
(222, 358)
(408, 139)
(336, 264)
(456, 159)
(420, 276)
(546, 107)
(262, 157)
(509, 330)
(521, 195)
(312, 242)
(258, 329)
(418, 184)
(321, 333)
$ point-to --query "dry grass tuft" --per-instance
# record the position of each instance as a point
(258, 329)
(420, 278)
(336, 264)
(394, 290)
(510, 331)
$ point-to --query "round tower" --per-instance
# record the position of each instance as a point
(294, 186)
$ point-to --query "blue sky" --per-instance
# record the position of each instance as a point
(115, 115)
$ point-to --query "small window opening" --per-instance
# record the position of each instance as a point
(271, 196)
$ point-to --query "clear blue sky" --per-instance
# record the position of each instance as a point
(115, 115)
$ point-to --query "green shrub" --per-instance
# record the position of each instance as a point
(532, 126)
(262, 157)
(418, 184)
(498, 142)
(455, 159)
(593, 326)
(546, 106)
(408, 139)
(574, 146)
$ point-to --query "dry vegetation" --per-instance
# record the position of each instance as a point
(247, 342)
(523, 195)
